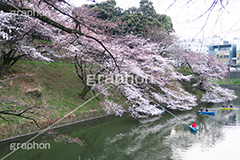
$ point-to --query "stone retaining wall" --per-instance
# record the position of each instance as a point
(231, 86)
(233, 75)
(77, 119)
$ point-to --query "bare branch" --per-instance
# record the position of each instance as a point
(208, 10)
(10, 112)
(170, 5)
(10, 7)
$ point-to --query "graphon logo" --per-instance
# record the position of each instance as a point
(29, 146)
(118, 79)
(29, 13)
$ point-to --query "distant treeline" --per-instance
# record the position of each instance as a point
(133, 20)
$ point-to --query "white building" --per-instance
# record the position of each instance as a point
(199, 45)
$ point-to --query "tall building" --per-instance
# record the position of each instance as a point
(225, 53)
(237, 42)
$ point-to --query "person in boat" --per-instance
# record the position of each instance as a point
(194, 125)
(201, 110)
(206, 110)
(230, 106)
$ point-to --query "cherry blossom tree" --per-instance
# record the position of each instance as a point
(155, 84)
(206, 70)
(148, 63)
(17, 40)
(52, 21)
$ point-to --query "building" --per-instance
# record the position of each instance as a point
(194, 45)
(237, 42)
(225, 53)
(199, 45)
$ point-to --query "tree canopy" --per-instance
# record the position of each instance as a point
(133, 20)
(78, 32)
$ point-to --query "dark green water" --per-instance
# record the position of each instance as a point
(157, 138)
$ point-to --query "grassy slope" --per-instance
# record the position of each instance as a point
(188, 85)
(60, 89)
(229, 81)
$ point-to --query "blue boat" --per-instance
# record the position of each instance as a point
(193, 130)
(207, 113)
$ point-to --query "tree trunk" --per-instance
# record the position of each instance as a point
(85, 91)
(3, 69)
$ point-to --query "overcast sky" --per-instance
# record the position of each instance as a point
(184, 13)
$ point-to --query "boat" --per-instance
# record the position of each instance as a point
(193, 130)
(207, 113)
(226, 108)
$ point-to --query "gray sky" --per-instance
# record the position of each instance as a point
(222, 22)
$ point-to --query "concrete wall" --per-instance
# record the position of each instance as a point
(231, 86)
(233, 75)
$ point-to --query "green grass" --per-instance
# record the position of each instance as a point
(229, 81)
(185, 70)
(60, 89)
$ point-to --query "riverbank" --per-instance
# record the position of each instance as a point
(52, 90)
(56, 127)
(113, 137)
(229, 81)
(232, 78)
(231, 86)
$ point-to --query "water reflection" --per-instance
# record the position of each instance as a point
(166, 139)
(157, 138)
(226, 148)
(233, 119)
(218, 139)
